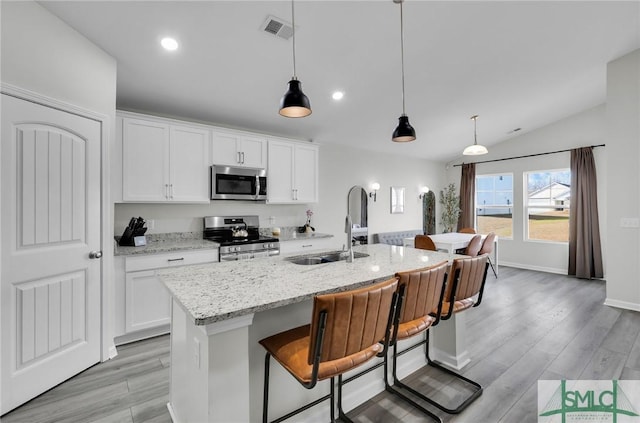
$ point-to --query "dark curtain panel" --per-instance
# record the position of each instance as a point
(467, 195)
(585, 254)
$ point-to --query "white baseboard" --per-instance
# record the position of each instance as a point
(171, 413)
(113, 352)
(536, 268)
(622, 304)
(451, 361)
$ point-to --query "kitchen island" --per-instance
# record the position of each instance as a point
(220, 312)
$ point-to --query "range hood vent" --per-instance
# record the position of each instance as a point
(277, 27)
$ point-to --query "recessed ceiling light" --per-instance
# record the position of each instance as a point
(337, 95)
(169, 43)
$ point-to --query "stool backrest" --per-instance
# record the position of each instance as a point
(466, 279)
(467, 231)
(423, 291)
(354, 320)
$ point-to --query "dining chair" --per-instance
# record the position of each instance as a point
(487, 248)
(467, 231)
(464, 290)
(474, 246)
(418, 310)
(347, 329)
(424, 242)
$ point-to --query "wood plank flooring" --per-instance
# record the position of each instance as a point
(530, 326)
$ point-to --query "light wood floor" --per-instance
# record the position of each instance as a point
(530, 326)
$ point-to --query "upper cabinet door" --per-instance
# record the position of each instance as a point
(292, 172)
(305, 170)
(189, 164)
(253, 152)
(280, 187)
(145, 160)
(238, 149)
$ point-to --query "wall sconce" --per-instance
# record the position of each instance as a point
(374, 190)
(423, 191)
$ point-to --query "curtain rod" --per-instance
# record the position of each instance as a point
(528, 155)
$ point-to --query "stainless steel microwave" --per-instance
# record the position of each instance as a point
(238, 183)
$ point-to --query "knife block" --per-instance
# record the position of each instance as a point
(126, 240)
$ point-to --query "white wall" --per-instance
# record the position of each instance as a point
(582, 129)
(623, 148)
(340, 168)
(43, 55)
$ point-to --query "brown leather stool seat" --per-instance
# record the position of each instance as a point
(345, 332)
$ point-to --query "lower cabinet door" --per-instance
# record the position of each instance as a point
(148, 303)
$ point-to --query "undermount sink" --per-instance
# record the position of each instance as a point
(320, 258)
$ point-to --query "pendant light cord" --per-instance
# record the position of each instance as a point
(293, 23)
(475, 136)
(402, 52)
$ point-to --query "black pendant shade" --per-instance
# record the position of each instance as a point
(294, 103)
(404, 132)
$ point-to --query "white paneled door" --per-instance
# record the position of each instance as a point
(50, 226)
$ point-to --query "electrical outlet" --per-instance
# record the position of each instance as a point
(151, 224)
(196, 352)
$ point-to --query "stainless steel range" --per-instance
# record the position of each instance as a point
(239, 237)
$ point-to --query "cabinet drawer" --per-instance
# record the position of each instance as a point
(177, 258)
(304, 245)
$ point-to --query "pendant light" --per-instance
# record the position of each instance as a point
(404, 132)
(294, 103)
(475, 149)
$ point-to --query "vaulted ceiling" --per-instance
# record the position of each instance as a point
(516, 64)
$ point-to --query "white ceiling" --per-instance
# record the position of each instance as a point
(517, 64)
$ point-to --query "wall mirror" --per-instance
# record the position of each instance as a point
(397, 200)
(429, 213)
(357, 202)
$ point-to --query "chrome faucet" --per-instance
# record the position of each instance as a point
(347, 229)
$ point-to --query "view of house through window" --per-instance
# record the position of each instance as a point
(494, 204)
(547, 205)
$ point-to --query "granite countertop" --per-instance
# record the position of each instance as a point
(215, 292)
(164, 243)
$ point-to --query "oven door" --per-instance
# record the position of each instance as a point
(229, 183)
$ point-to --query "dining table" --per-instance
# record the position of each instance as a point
(452, 241)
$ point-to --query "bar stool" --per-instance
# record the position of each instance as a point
(464, 289)
(419, 310)
(345, 332)
(474, 246)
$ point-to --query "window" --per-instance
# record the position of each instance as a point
(494, 204)
(547, 202)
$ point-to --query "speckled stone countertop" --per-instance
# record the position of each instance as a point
(219, 291)
(167, 242)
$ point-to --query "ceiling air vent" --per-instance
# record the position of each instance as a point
(278, 27)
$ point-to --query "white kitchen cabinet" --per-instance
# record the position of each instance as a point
(164, 162)
(292, 172)
(143, 303)
(238, 149)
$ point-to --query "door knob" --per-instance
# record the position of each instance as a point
(95, 254)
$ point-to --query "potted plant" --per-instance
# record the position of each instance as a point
(450, 202)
